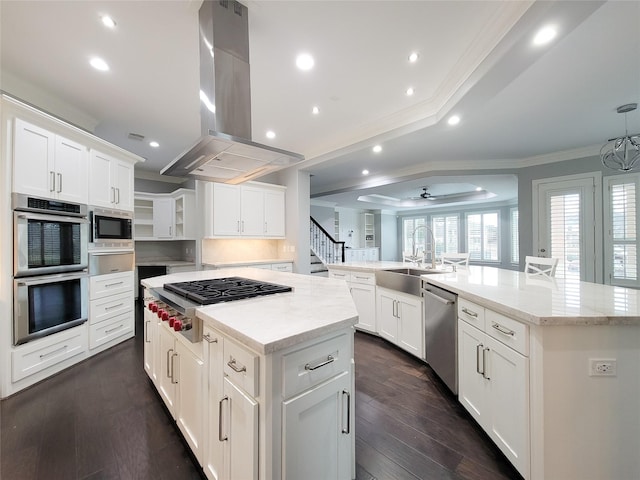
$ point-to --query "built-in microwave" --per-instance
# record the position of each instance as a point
(48, 304)
(110, 228)
(48, 236)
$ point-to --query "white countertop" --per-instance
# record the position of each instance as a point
(530, 299)
(241, 263)
(315, 307)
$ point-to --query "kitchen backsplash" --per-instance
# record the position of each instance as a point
(238, 250)
(159, 250)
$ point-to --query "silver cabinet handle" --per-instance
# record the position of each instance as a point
(118, 192)
(169, 361)
(173, 373)
(146, 329)
(437, 297)
(170, 231)
(52, 181)
(502, 329)
(113, 284)
(265, 227)
(238, 227)
(45, 355)
(348, 429)
(59, 183)
(114, 306)
(113, 194)
(234, 367)
(242, 222)
(479, 348)
(329, 360)
(112, 329)
(470, 313)
(208, 338)
(220, 437)
(484, 364)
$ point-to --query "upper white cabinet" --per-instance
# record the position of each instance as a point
(165, 216)
(249, 210)
(48, 165)
(111, 182)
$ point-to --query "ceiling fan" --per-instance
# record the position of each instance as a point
(425, 195)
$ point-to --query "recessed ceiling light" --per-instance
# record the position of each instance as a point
(413, 58)
(108, 22)
(365, 172)
(154, 144)
(271, 134)
(478, 189)
(545, 35)
(304, 61)
(377, 149)
(410, 91)
(99, 64)
(453, 120)
(315, 110)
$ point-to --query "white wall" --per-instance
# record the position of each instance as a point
(351, 227)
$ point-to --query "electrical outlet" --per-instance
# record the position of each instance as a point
(605, 367)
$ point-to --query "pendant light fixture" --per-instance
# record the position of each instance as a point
(622, 153)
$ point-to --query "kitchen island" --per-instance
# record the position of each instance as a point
(549, 368)
(267, 390)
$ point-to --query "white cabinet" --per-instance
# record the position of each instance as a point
(180, 380)
(369, 230)
(232, 428)
(49, 165)
(249, 210)
(110, 182)
(163, 218)
(323, 411)
(239, 433)
(111, 314)
(400, 320)
(494, 379)
(362, 286)
(362, 254)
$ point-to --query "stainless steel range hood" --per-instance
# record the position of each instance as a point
(225, 152)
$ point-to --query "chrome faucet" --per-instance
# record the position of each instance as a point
(432, 250)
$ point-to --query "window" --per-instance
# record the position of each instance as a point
(445, 231)
(621, 257)
(482, 236)
(515, 238)
(408, 227)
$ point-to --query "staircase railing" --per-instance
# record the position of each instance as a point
(324, 246)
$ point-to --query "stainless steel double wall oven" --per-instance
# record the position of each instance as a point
(50, 281)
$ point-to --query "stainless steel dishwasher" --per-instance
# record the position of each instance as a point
(440, 322)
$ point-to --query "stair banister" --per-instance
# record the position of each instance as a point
(324, 246)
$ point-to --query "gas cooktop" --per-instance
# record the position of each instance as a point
(217, 290)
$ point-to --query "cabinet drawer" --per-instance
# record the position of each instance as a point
(508, 331)
(103, 285)
(340, 275)
(40, 354)
(242, 367)
(312, 365)
(471, 313)
(108, 330)
(367, 278)
(282, 267)
(107, 307)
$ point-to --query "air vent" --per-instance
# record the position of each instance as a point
(136, 136)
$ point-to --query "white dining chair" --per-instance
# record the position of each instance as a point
(455, 259)
(542, 266)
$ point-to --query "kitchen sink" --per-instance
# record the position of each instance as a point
(406, 280)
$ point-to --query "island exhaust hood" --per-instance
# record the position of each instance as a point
(225, 152)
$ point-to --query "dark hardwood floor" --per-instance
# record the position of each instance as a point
(102, 419)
